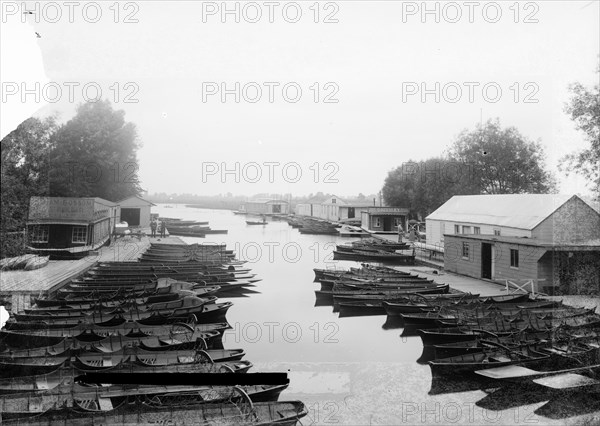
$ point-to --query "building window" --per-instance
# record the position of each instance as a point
(276, 208)
(79, 234)
(497, 232)
(377, 222)
(333, 201)
(476, 230)
(456, 229)
(465, 250)
(466, 229)
(39, 234)
(514, 258)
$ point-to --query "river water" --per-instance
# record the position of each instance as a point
(351, 370)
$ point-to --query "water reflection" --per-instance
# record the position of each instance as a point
(513, 395)
(569, 404)
(393, 322)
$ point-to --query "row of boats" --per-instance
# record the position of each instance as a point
(139, 343)
(306, 225)
(189, 228)
(362, 291)
(491, 340)
(375, 250)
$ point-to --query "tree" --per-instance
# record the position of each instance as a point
(584, 109)
(503, 160)
(399, 188)
(424, 186)
(95, 155)
(24, 172)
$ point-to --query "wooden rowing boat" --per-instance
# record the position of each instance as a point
(67, 374)
(493, 357)
(36, 338)
(242, 413)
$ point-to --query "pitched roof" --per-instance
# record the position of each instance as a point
(139, 198)
(265, 201)
(522, 211)
(338, 200)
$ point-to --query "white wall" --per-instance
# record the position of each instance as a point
(435, 234)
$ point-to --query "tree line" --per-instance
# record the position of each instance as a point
(92, 155)
(494, 160)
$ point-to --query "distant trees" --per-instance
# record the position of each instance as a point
(584, 110)
(487, 160)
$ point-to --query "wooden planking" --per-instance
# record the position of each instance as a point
(59, 272)
(573, 222)
(170, 240)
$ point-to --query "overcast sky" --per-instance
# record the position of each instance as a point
(374, 61)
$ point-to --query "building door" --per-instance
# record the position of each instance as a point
(486, 261)
(351, 213)
(131, 216)
(387, 223)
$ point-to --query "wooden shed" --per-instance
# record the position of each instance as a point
(136, 211)
(551, 242)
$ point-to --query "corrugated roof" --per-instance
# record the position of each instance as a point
(522, 211)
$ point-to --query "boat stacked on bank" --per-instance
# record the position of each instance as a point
(375, 250)
(189, 228)
(307, 225)
(362, 291)
(27, 262)
(138, 342)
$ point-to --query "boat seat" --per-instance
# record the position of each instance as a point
(36, 404)
(500, 358)
(105, 404)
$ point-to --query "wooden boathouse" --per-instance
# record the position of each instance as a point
(551, 243)
(333, 209)
(384, 220)
(63, 227)
(265, 206)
